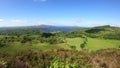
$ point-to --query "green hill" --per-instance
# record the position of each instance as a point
(107, 32)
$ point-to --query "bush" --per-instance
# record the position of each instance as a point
(73, 47)
(119, 46)
(82, 45)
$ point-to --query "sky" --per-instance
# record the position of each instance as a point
(84, 13)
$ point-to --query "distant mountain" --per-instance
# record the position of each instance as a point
(60, 28)
(44, 28)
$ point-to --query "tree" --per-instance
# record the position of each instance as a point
(52, 40)
(119, 46)
(3, 43)
(82, 45)
(27, 39)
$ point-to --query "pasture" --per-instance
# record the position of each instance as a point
(92, 44)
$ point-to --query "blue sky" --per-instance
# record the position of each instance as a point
(59, 12)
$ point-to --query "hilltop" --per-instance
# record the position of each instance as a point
(107, 32)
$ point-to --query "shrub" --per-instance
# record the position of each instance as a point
(82, 45)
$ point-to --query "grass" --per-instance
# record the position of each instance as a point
(94, 43)
(75, 42)
(12, 49)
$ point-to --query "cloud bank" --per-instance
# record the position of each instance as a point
(21, 22)
(1, 20)
(79, 22)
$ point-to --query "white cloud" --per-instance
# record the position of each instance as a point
(39, 0)
(15, 22)
(1, 20)
(21, 22)
(18, 21)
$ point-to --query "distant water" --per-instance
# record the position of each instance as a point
(59, 28)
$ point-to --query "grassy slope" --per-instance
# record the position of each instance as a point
(75, 42)
(19, 47)
(95, 43)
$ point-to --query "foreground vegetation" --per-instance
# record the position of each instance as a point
(61, 58)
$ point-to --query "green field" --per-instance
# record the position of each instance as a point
(92, 44)
(19, 47)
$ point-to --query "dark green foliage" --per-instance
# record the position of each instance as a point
(51, 40)
(94, 30)
(46, 35)
(55, 40)
(78, 33)
(82, 45)
(73, 47)
(2, 44)
(119, 46)
(6, 41)
(27, 39)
